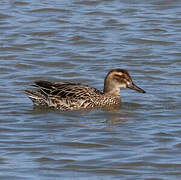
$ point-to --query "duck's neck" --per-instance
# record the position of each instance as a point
(111, 89)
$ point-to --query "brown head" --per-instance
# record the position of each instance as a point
(118, 79)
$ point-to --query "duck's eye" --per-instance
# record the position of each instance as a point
(118, 77)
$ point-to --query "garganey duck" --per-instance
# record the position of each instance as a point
(71, 96)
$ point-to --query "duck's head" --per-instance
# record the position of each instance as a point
(118, 79)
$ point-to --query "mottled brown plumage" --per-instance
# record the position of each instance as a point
(71, 96)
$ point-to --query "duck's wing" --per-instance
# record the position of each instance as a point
(66, 90)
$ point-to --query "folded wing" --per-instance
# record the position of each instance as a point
(66, 90)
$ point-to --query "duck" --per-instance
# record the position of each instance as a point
(75, 96)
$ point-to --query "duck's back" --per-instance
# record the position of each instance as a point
(64, 95)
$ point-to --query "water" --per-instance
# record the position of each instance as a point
(79, 41)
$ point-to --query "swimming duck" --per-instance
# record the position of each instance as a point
(71, 96)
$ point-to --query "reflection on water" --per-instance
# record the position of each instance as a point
(79, 41)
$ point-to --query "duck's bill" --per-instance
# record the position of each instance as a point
(134, 87)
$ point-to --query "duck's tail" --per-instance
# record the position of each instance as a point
(37, 98)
